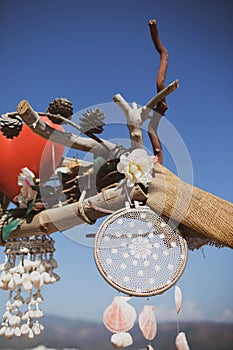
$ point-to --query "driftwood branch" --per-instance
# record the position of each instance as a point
(201, 216)
(31, 118)
(136, 116)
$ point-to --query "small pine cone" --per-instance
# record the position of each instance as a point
(11, 126)
(92, 122)
(60, 106)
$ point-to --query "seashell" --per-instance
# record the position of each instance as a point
(41, 327)
(19, 298)
(17, 332)
(31, 313)
(47, 265)
(36, 264)
(147, 322)
(30, 334)
(41, 268)
(2, 331)
(25, 316)
(56, 276)
(20, 269)
(26, 282)
(17, 279)
(36, 279)
(11, 320)
(178, 298)
(18, 303)
(46, 277)
(38, 313)
(149, 347)
(36, 328)
(9, 332)
(121, 340)
(11, 284)
(181, 342)
(6, 314)
(5, 276)
(53, 262)
(119, 316)
(24, 329)
(13, 269)
(27, 264)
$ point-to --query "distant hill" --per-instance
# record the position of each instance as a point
(61, 333)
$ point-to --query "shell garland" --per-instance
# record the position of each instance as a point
(29, 264)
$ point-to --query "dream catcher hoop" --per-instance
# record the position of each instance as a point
(138, 253)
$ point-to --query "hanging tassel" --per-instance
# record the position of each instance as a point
(181, 342)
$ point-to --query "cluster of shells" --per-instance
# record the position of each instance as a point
(29, 264)
(119, 317)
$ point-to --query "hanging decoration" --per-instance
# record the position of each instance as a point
(29, 264)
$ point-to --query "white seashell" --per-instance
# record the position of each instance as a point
(17, 332)
(41, 268)
(18, 303)
(57, 277)
(47, 265)
(11, 320)
(2, 331)
(53, 262)
(181, 342)
(121, 340)
(25, 316)
(27, 264)
(5, 276)
(31, 313)
(20, 269)
(13, 269)
(119, 316)
(36, 328)
(24, 329)
(178, 298)
(36, 264)
(36, 279)
(26, 282)
(41, 327)
(9, 332)
(30, 334)
(6, 314)
(38, 313)
(46, 277)
(17, 279)
(147, 322)
(11, 284)
(53, 279)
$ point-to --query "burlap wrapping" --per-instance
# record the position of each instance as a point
(202, 218)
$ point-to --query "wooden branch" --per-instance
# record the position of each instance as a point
(199, 213)
(160, 96)
(31, 118)
(160, 82)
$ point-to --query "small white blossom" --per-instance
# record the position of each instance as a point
(26, 180)
(137, 167)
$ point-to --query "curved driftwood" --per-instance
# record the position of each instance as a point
(201, 216)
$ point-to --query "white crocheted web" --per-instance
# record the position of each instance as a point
(138, 253)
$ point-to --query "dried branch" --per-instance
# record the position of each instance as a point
(202, 216)
(30, 117)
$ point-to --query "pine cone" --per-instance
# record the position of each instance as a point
(60, 106)
(92, 122)
(11, 126)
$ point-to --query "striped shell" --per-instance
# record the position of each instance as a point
(119, 316)
(121, 340)
(181, 342)
(147, 322)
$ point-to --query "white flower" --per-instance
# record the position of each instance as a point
(137, 167)
(26, 180)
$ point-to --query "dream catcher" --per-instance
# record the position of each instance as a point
(138, 253)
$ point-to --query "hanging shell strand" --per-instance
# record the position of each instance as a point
(29, 264)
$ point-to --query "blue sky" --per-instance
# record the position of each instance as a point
(89, 51)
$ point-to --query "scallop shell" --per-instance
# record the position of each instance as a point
(119, 316)
(121, 340)
(147, 322)
(181, 342)
(178, 298)
(17, 332)
(9, 332)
